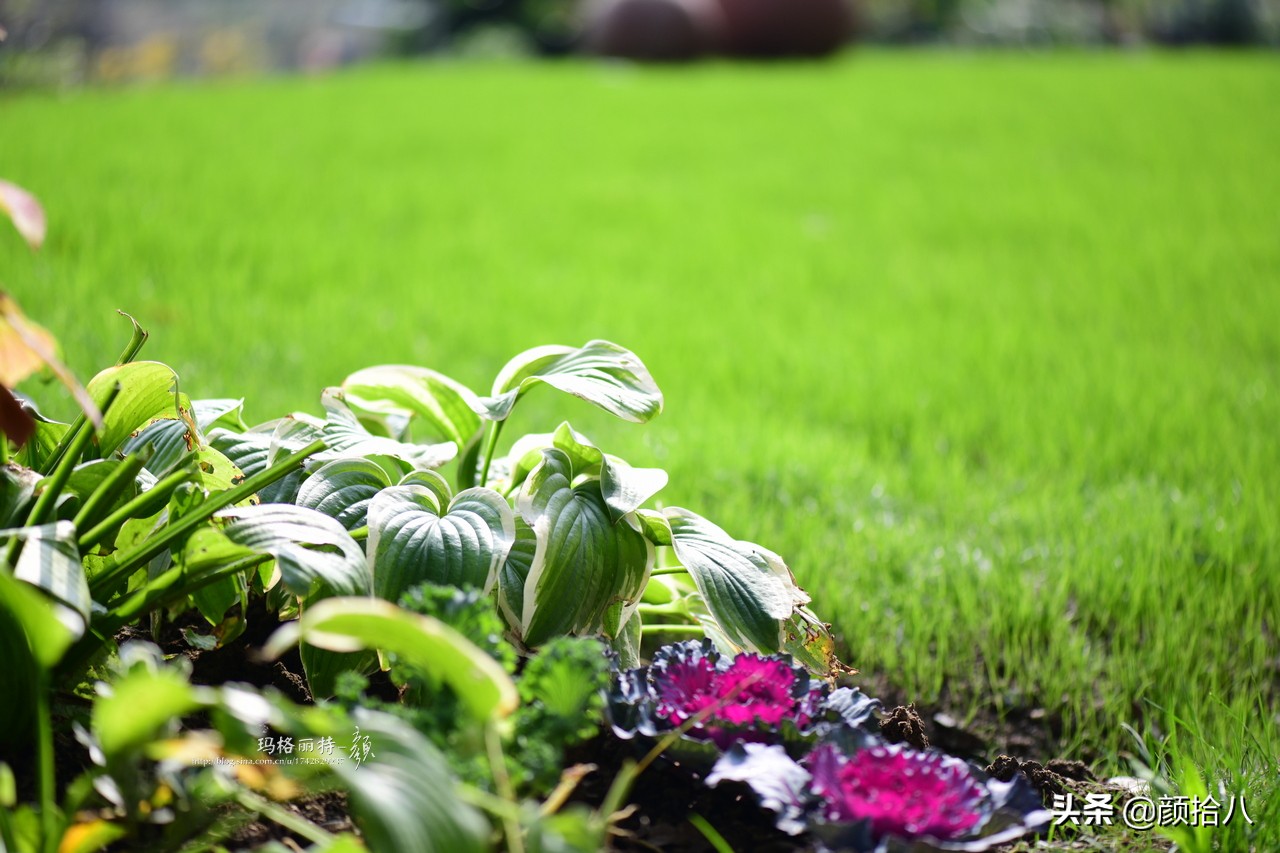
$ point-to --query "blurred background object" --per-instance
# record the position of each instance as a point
(69, 42)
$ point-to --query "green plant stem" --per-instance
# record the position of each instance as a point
(161, 591)
(498, 766)
(76, 434)
(6, 831)
(127, 564)
(136, 341)
(709, 832)
(360, 534)
(166, 588)
(4, 450)
(119, 479)
(674, 608)
(490, 803)
(284, 817)
(665, 628)
(70, 454)
(48, 781)
(490, 445)
(669, 570)
(135, 508)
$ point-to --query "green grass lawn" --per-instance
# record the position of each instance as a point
(987, 346)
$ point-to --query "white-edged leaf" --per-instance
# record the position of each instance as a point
(599, 372)
(514, 572)
(227, 411)
(342, 489)
(624, 487)
(432, 481)
(255, 450)
(412, 538)
(748, 589)
(345, 436)
(51, 561)
(446, 406)
(170, 439)
(583, 563)
(440, 652)
(312, 550)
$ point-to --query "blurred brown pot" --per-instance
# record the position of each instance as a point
(653, 30)
(785, 27)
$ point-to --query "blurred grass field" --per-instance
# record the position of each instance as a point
(987, 346)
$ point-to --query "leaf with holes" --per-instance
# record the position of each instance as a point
(148, 391)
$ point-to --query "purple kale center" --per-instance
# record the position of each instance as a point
(898, 791)
(752, 690)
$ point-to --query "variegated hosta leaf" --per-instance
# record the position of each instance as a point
(444, 405)
(583, 563)
(748, 589)
(432, 481)
(257, 449)
(51, 562)
(229, 412)
(515, 571)
(342, 489)
(624, 488)
(313, 551)
(602, 373)
(346, 436)
(413, 539)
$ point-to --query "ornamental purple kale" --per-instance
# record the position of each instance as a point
(880, 797)
(898, 791)
(749, 697)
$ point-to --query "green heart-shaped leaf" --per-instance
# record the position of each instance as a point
(342, 489)
(413, 539)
